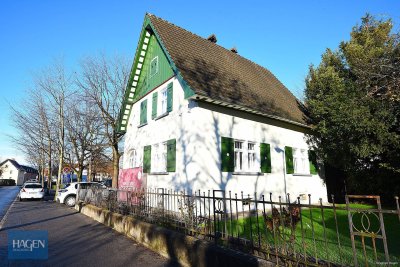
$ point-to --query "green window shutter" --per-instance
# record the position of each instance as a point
(312, 157)
(154, 106)
(227, 154)
(170, 97)
(143, 112)
(146, 159)
(171, 155)
(289, 159)
(265, 155)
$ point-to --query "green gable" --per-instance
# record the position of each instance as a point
(155, 69)
(147, 72)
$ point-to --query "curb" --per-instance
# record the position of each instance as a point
(3, 220)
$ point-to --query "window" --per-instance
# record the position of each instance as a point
(159, 157)
(300, 161)
(163, 101)
(297, 160)
(238, 156)
(10, 171)
(133, 159)
(245, 157)
(251, 156)
(33, 186)
(154, 66)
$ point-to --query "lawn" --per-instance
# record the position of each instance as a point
(310, 233)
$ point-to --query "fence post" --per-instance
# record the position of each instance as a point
(219, 211)
(353, 244)
(160, 201)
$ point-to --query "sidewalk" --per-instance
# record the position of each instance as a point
(74, 239)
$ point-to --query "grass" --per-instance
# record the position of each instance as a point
(309, 236)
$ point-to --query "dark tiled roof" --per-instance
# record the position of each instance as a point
(218, 73)
(20, 167)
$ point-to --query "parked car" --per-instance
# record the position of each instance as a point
(31, 191)
(67, 195)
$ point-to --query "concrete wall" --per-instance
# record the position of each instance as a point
(198, 128)
(186, 250)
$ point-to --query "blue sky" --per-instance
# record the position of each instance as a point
(283, 36)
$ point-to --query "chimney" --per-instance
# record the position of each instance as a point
(234, 50)
(212, 38)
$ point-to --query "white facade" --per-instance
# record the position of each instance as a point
(9, 171)
(198, 128)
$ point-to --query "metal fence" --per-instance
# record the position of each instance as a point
(283, 230)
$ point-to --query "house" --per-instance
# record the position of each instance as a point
(19, 173)
(197, 116)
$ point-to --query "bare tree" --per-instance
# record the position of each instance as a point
(104, 80)
(83, 128)
(56, 84)
(34, 135)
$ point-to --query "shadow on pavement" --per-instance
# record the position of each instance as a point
(36, 222)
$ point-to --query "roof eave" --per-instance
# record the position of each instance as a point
(246, 109)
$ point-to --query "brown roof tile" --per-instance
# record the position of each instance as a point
(218, 73)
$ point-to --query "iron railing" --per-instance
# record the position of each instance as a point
(283, 230)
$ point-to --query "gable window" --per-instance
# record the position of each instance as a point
(154, 66)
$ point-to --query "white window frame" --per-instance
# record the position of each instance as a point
(251, 156)
(246, 156)
(159, 157)
(301, 163)
(163, 101)
(133, 160)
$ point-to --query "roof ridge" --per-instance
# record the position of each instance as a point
(227, 50)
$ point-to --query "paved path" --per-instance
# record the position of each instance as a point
(7, 195)
(74, 239)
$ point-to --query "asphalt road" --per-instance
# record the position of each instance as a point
(7, 196)
(74, 239)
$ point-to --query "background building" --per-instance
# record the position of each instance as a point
(19, 173)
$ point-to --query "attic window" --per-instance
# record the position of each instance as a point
(154, 66)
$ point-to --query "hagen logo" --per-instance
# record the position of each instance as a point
(27, 244)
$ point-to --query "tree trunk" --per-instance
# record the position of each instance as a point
(116, 157)
(61, 146)
(80, 171)
(50, 166)
(89, 173)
